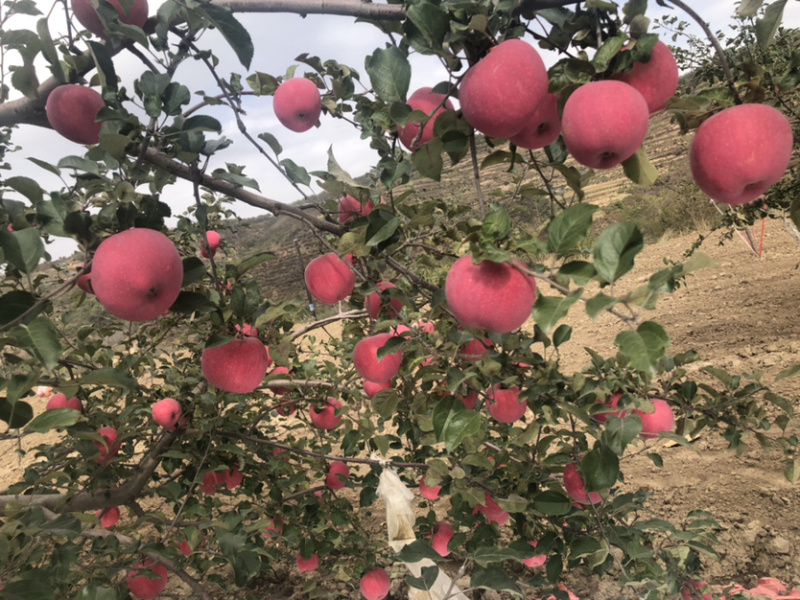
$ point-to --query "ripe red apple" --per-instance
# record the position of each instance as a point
(212, 482)
(425, 100)
(350, 208)
(367, 363)
(329, 279)
(493, 296)
(504, 404)
(470, 400)
(279, 391)
(543, 128)
(661, 418)
(110, 448)
(535, 561)
(108, 517)
(442, 534)
(60, 401)
(371, 388)
(611, 402)
(72, 111)
(298, 104)
(500, 93)
(491, 511)
(740, 152)
(167, 413)
(307, 566)
(573, 483)
(476, 349)
(604, 123)
(429, 492)
(326, 418)
(213, 239)
(248, 330)
(337, 475)
(84, 283)
(137, 274)
(427, 327)
(237, 366)
(87, 15)
(374, 305)
(233, 477)
(657, 79)
(147, 579)
(375, 584)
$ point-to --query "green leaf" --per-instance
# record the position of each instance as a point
(787, 372)
(390, 74)
(94, 592)
(570, 228)
(452, 422)
(792, 471)
(25, 186)
(427, 159)
(79, 163)
(600, 468)
(233, 32)
(29, 588)
(485, 556)
(601, 302)
(643, 347)
(201, 122)
(105, 66)
(417, 551)
(382, 227)
(16, 414)
(426, 581)
(295, 172)
(194, 270)
(56, 418)
(552, 503)
(110, 377)
(610, 48)
(272, 141)
(580, 271)
(639, 169)
(767, 26)
(548, 310)
(45, 341)
(14, 304)
(23, 249)
(562, 335)
(493, 579)
(426, 26)
(188, 303)
(619, 433)
(616, 249)
(253, 261)
(749, 8)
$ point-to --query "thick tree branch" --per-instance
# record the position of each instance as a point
(347, 8)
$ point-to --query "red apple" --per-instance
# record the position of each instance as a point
(429, 492)
(504, 404)
(213, 239)
(432, 105)
(535, 561)
(286, 407)
(490, 295)
(60, 401)
(373, 303)
(297, 104)
(84, 283)
(470, 400)
(740, 152)
(87, 14)
(273, 528)
(491, 511)
(110, 448)
(337, 476)
(371, 388)
(543, 128)
(147, 579)
(573, 483)
(442, 534)
(611, 402)
(137, 274)
(476, 349)
(329, 279)
(279, 391)
(500, 93)
(326, 418)
(248, 331)
(238, 366)
(72, 111)
(654, 421)
(213, 482)
(427, 327)
(367, 363)
(108, 517)
(604, 123)
(233, 477)
(307, 566)
(657, 79)
(350, 208)
(167, 412)
(375, 584)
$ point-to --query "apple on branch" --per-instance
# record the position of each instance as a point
(374, 305)
(329, 278)
(367, 363)
(326, 418)
(297, 104)
(543, 128)
(432, 104)
(147, 579)
(132, 13)
(375, 584)
(213, 241)
(60, 400)
(657, 79)
(72, 111)
(238, 366)
(350, 208)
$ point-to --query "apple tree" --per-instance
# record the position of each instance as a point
(202, 437)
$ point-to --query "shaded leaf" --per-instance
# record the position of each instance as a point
(54, 419)
(616, 249)
(390, 74)
(569, 228)
(234, 32)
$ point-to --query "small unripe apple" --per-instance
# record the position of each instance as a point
(297, 104)
(493, 296)
(367, 363)
(167, 413)
(374, 305)
(661, 418)
(375, 584)
(657, 79)
(108, 517)
(307, 566)
(237, 366)
(137, 274)
(147, 579)
(442, 534)
(535, 561)
(543, 128)
(573, 483)
(430, 492)
(326, 418)
(491, 511)
(740, 152)
(329, 279)
(72, 111)
(60, 401)
(500, 93)
(425, 100)
(504, 404)
(350, 208)
(213, 240)
(109, 447)
(337, 475)
(371, 388)
(604, 123)
(87, 14)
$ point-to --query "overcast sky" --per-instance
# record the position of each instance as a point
(278, 39)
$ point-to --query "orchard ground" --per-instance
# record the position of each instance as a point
(740, 315)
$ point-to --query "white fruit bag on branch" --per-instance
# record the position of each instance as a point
(400, 527)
